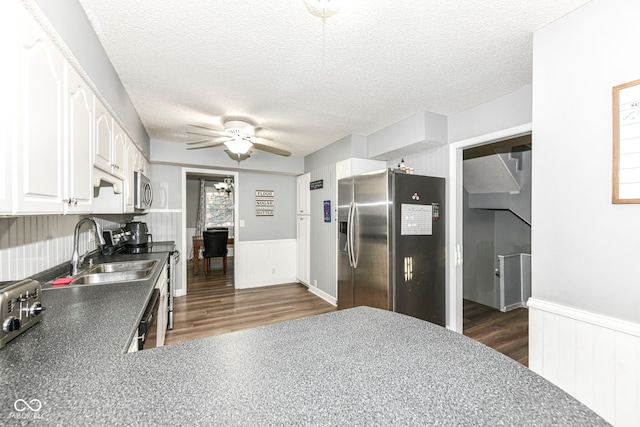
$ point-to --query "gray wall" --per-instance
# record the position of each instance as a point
(282, 225)
(352, 146)
(487, 234)
(498, 114)
(479, 251)
(193, 197)
(177, 153)
(585, 248)
(167, 187)
(71, 23)
(323, 268)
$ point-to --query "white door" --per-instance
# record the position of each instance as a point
(303, 273)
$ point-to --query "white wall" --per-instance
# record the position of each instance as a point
(585, 310)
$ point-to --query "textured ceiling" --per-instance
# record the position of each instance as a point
(372, 64)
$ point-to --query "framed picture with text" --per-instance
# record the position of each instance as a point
(626, 143)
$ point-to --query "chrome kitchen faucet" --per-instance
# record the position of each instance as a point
(76, 259)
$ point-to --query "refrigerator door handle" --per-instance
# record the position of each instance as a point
(352, 231)
(349, 235)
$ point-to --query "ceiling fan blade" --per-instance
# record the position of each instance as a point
(217, 139)
(206, 145)
(200, 141)
(257, 138)
(206, 128)
(273, 148)
(211, 133)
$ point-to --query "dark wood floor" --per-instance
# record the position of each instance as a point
(212, 306)
(507, 332)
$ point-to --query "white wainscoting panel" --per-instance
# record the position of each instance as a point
(165, 224)
(594, 358)
(265, 262)
(31, 244)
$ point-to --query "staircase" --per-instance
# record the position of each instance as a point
(500, 181)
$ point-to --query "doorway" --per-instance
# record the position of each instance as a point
(454, 296)
(191, 176)
(497, 244)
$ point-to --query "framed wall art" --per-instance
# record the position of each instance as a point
(626, 143)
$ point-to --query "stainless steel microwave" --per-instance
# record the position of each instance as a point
(143, 193)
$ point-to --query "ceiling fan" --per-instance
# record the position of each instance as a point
(239, 136)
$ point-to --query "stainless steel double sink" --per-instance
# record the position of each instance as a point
(112, 272)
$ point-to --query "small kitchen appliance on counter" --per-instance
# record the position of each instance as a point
(20, 308)
(139, 233)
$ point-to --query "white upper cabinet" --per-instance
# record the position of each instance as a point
(79, 139)
(57, 138)
(110, 144)
(8, 102)
(119, 151)
(355, 166)
(39, 147)
(104, 138)
(304, 199)
(132, 155)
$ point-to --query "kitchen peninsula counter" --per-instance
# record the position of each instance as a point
(361, 366)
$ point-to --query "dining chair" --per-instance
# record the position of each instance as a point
(215, 245)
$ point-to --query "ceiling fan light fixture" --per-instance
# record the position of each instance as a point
(323, 8)
(238, 145)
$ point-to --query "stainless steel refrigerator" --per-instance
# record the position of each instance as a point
(392, 243)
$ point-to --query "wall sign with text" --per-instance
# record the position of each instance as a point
(264, 202)
(626, 143)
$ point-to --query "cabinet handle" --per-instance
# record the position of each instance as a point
(75, 202)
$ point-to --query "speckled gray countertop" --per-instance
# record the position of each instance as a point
(361, 366)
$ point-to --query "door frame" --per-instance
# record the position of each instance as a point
(183, 228)
(454, 202)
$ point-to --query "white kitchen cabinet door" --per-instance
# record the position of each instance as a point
(129, 187)
(79, 141)
(118, 151)
(303, 249)
(39, 147)
(303, 193)
(8, 101)
(104, 137)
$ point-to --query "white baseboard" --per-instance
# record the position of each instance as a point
(260, 283)
(322, 294)
(594, 358)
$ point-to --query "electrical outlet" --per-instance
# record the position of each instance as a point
(273, 271)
